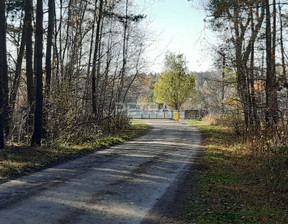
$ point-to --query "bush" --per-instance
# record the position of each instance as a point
(86, 130)
(115, 124)
(233, 120)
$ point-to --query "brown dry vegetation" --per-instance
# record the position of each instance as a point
(19, 160)
(241, 182)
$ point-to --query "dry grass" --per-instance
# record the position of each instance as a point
(18, 160)
(240, 184)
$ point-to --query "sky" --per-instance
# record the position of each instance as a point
(179, 28)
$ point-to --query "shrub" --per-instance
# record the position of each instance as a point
(233, 120)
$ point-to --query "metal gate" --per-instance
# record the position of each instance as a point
(140, 114)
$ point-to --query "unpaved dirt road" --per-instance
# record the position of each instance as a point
(121, 184)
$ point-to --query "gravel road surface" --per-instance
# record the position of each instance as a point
(121, 184)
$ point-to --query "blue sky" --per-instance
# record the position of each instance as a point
(178, 27)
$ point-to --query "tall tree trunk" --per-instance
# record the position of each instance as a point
(58, 49)
(89, 79)
(271, 88)
(223, 84)
(29, 61)
(48, 64)
(16, 81)
(124, 54)
(241, 67)
(136, 73)
(64, 47)
(282, 46)
(96, 59)
(37, 134)
(99, 77)
(51, 16)
(3, 74)
(254, 118)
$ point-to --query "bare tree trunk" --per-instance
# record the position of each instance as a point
(96, 59)
(3, 74)
(37, 134)
(48, 64)
(241, 65)
(15, 85)
(99, 76)
(254, 116)
(58, 49)
(282, 46)
(271, 88)
(136, 73)
(51, 16)
(124, 53)
(66, 75)
(89, 79)
(29, 61)
(223, 84)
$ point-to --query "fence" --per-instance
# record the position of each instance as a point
(140, 114)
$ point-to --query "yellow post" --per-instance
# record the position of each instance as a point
(176, 116)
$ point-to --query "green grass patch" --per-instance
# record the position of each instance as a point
(16, 160)
(238, 185)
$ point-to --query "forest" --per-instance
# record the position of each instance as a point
(64, 65)
(251, 57)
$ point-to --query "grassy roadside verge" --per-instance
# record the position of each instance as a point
(238, 184)
(18, 160)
